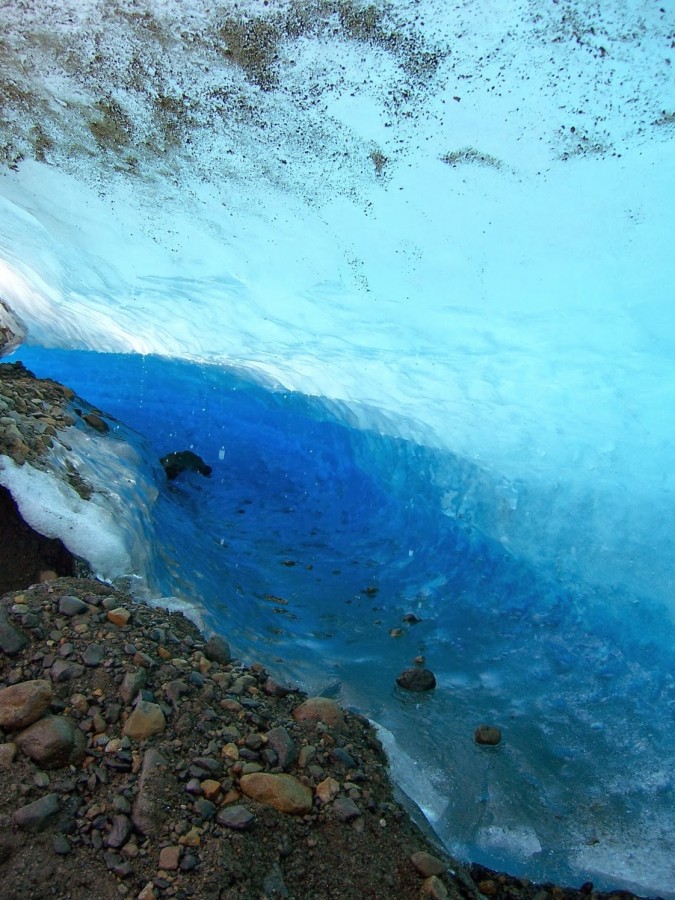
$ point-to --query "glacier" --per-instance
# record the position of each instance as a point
(403, 274)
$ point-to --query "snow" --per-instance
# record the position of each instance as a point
(445, 229)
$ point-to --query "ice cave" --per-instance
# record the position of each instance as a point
(402, 273)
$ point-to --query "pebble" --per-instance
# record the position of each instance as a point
(133, 681)
(11, 639)
(169, 857)
(345, 809)
(7, 754)
(237, 817)
(327, 790)
(93, 655)
(61, 845)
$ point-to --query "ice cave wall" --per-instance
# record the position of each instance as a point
(457, 222)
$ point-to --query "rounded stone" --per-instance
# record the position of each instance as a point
(319, 709)
(283, 792)
(146, 719)
(489, 735)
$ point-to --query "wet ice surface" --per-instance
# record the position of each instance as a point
(312, 540)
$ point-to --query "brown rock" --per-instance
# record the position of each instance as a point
(426, 864)
(487, 734)
(416, 680)
(119, 616)
(146, 719)
(24, 703)
(283, 792)
(434, 887)
(319, 709)
(156, 786)
(169, 858)
(327, 790)
(52, 742)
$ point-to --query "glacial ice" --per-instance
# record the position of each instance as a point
(404, 278)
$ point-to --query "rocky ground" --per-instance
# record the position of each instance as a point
(138, 760)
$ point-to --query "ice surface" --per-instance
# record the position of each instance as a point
(429, 250)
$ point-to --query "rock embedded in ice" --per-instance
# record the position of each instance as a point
(489, 735)
(416, 680)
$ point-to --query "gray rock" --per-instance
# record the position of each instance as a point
(61, 845)
(273, 884)
(52, 742)
(72, 606)
(37, 815)
(217, 649)
(345, 809)
(237, 817)
(283, 745)
(93, 655)
(63, 670)
(155, 783)
(132, 683)
(120, 831)
(11, 639)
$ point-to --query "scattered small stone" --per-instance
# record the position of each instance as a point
(7, 754)
(345, 809)
(169, 858)
(132, 683)
(119, 833)
(11, 639)
(489, 735)
(237, 817)
(63, 670)
(61, 845)
(273, 884)
(37, 815)
(93, 655)
(327, 790)
(416, 680)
